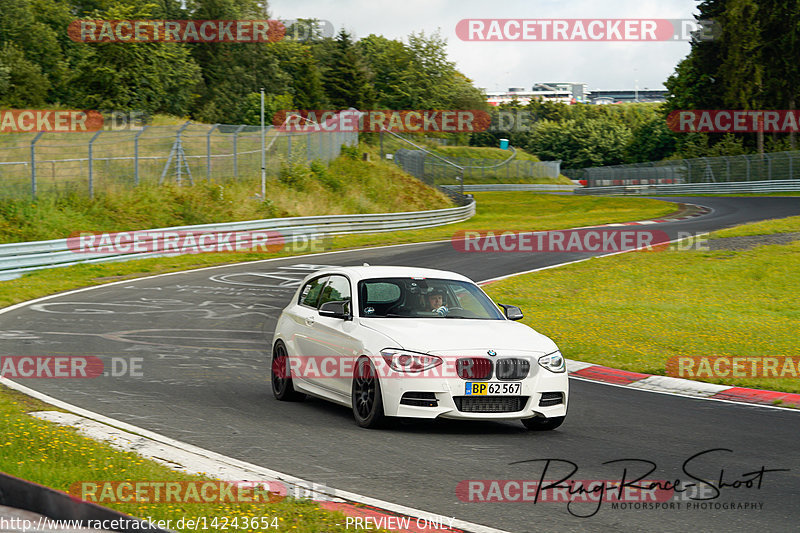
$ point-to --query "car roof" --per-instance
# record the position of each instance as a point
(357, 273)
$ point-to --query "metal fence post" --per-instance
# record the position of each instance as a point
(769, 167)
(91, 163)
(33, 164)
(288, 146)
(208, 151)
(236, 152)
(136, 156)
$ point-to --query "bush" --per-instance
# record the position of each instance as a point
(320, 171)
(351, 152)
(294, 175)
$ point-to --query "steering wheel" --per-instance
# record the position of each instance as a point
(392, 309)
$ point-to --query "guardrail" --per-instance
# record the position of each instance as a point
(486, 187)
(18, 258)
(22, 496)
(698, 188)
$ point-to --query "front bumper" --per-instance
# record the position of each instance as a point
(448, 391)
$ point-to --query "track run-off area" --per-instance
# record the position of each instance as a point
(188, 354)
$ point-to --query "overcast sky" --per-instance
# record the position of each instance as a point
(499, 65)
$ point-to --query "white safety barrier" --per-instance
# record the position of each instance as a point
(17, 258)
(732, 187)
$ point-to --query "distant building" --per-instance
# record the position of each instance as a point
(614, 97)
(571, 93)
(566, 92)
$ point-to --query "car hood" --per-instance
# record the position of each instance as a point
(429, 335)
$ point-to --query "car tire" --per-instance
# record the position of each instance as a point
(539, 423)
(281, 376)
(366, 397)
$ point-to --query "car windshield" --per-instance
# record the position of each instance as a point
(424, 298)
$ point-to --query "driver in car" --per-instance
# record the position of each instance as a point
(436, 302)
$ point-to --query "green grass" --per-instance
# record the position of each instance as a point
(484, 152)
(635, 311)
(513, 172)
(499, 176)
(58, 457)
(765, 227)
(514, 211)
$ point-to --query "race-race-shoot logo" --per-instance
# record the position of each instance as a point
(585, 30)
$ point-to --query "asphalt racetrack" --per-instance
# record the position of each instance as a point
(201, 339)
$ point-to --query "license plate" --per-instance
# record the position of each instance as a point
(493, 389)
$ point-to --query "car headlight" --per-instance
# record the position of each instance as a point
(554, 362)
(405, 361)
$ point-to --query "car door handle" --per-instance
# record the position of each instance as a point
(309, 321)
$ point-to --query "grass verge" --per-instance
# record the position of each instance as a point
(635, 311)
(348, 185)
(29, 449)
(513, 211)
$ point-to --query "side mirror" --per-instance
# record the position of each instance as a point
(336, 309)
(512, 311)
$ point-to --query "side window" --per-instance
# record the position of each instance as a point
(337, 290)
(467, 300)
(382, 292)
(309, 296)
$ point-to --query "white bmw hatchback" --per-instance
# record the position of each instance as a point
(411, 342)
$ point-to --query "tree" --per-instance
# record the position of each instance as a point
(347, 80)
(232, 71)
(22, 83)
(391, 64)
(651, 141)
(579, 144)
(696, 82)
(305, 74)
(779, 50)
(150, 77)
